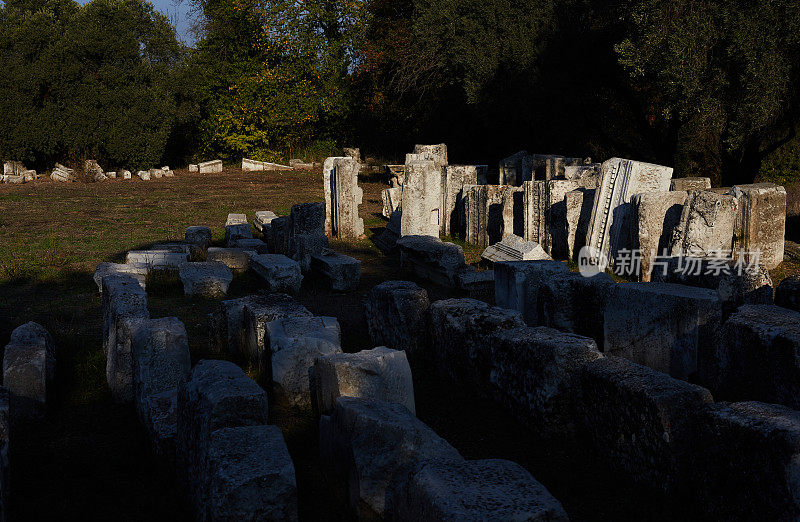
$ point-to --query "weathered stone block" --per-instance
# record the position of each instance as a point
(256, 314)
(253, 244)
(307, 218)
(342, 198)
(477, 284)
(656, 215)
(161, 359)
(517, 285)
(664, 326)
(706, 226)
(492, 213)
(342, 272)
(143, 175)
(251, 476)
(199, 237)
(29, 364)
(205, 279)
(396, 314)
(579, 204)
(431, 258)
(193, 167)
(233, 233)
(278, 273)
(210, 167)
(514, 248)
(757, 357)
(438, 151)
(263, 220)
(379, 374)
(534, 374)
(392, 199)
(278, 238)
(237, 259)
(641, 421)
(5, 431)
(747, 464)
(788, 293)
(690, 184)
(460, 337)
(476, 490)
(377, 445)
(571, 302)
(511, 169)
(760, 223)
(159, 414)
(218, 395)
(422, 200)
(136, 270)
(157, 258)
(294, 345)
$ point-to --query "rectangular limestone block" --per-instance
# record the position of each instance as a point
(517, 285)
(256, 314)
(277, 273)
(342, 198)
(342, 272)
(377, 445)
(206, 279)
(512, 170)
(454, 179)
(422, 199)
(157, 258)
(217, 395)
(380, 374)
(431, 258)
(640, 421)
(396, 314)
(579, 205)
(5, 431)
(664, 326)
(572, 302)
(757, 357)
(210, 167)
(690, 184)
(655, 217)
(233, 233)
(294, 344)
(392, 199)
(137, 270)
(748, 462)
(535, 376)
(460, 332)
(706, 226)
(254, 244)
(29, 364)
(492, 212)
(760, 223)
(263, 220)
(620, 179)
(251, 476)
(237, 259)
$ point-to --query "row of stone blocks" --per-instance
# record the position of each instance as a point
(211, 421)
(740, 459)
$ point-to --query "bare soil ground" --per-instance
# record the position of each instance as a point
(90, 458)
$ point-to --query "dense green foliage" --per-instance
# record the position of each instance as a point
(710, 87)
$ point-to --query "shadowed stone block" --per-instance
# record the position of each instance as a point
(136, 270)
(517, 285)
(159, 414)
(749, 453)
(157, 258)
(545, 214)
(210, 167)
(641, 421)
(29, 364)
(511, 169)
(217, 395)
(760, 222)
(396, 314)
(460, 337)
(392, 198)
(342, 272)
(690, 184)
(206, 279)
(476, 490)
(253, 244)
(199, 236)
(431, 258)
(579, 205)
(489, 211)
(161, 359)
(477, 284)
(237, 259)
(278, 273)
(251, 475)
(664, 326)
(514, 248)
(757, 357)
(534, 374)
(655, 218)
(5, 431)
(294, 345)
(234, 233)
(788, 293)
(706, 226)
(377, 445)
(257, 313)
(454, 179)
(379, 374)
(573, 303)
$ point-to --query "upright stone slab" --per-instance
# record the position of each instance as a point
(256, 314)
(136, 270)
(620, 179)
(549, 166)
(571, 302)
(476, 490)
(124, 305)
(306, 233)
(663, 326)
(460, 332)
(511, 169)
(454, 179)
(535, 376)
(343, 273)
(342, 198)
(263, 221)
(392, 200)
(208, 279)
(422, 200)
(760, 223)
(640, 421)
(380, 374)
(217, 395)
(396, 314)
(431, 258)
(748, 455)
(486, 210)
(438, 151)
(377, 445)
(294, 345)
(656, 215)
(690, 184)
(545, 214)
(757, 357)
(278, 273)
(517, 285)
(706, 226)
(251, 475)
(29, 364)
(210, 167)
(199, 239)
(234, 233)
(579, 205)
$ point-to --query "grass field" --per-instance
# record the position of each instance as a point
(90, 459)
